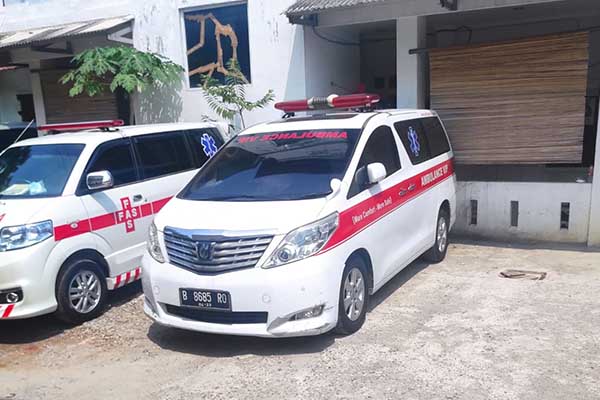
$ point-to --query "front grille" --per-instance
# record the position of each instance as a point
(224, 253)
(218, 317)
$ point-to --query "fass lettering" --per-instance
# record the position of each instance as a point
(434, 175)
(294, 136)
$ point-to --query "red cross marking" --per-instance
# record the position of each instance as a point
(128, 215)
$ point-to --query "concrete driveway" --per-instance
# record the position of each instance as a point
(450, 331)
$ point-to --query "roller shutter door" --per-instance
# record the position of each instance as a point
(60, 107)
(520, 102)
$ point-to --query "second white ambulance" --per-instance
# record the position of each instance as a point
(295, 223)
(75, 210)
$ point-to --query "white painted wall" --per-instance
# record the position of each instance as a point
(330, 67)
(276, 58)
(411, 34)
(12, 83)
(539, 210)
(594, 231)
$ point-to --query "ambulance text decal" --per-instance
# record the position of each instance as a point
(362, 215)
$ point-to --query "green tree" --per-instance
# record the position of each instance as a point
(132, 70)
(228, 99)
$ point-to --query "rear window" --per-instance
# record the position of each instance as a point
(204, 144)
(288, 165)
(423, 139)
(163, 154)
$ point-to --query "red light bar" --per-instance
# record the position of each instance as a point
(332, 101)
(80, 126)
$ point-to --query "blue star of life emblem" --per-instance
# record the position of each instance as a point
(415, 146)
(208, 145)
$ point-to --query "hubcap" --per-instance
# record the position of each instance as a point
(85, 292)
(442, 234)
(354, 294)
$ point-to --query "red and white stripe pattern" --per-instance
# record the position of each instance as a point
(124, 279)
(5, 310)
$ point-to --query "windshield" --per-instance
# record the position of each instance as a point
(37, 171)
(275, 166)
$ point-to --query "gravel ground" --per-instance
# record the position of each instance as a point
(455, 330)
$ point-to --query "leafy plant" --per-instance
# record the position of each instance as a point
(228, 99)
(119, 67)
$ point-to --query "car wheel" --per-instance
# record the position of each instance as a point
(81, 291)
(354, 297)
(438, 252)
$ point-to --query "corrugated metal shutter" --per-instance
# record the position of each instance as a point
(520, 102)
(62, 108)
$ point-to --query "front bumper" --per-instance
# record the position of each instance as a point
(280, 292)
(25, 269)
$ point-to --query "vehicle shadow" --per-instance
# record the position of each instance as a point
(396, 282)
(211, 345)
(37, 329)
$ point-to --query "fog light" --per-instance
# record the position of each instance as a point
(308, 313)
(12, 298)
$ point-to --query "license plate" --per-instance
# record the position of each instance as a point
(207, 299)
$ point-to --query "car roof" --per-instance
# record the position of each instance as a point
(98, 136)
(334, 120)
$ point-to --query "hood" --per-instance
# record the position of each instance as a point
(21, 211)
(278, 216)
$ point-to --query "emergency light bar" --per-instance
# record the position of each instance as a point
(331, 101)
(79, 126)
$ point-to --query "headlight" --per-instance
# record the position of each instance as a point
(154, 245)
(304, 241)
(18, 237)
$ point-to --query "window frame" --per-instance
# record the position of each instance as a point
(351, 190)
(183, 133)
(82, 189)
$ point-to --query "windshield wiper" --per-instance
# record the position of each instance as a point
(235, 197)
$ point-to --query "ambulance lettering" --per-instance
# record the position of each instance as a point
(433, 176)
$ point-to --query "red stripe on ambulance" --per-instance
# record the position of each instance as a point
(124, 279)
(6, 310)
(359, 217)
(126, 217)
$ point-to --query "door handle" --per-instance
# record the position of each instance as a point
(137, 198)
(412, 187)
(403, 192)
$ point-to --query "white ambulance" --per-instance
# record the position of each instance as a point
(295, 223)
(75, 210)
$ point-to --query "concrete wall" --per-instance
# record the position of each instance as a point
(276, 58)
(12, 83)
(594, 231)
(539, 210)
(329, 67)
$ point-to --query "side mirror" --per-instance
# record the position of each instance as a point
(376, 173)
(99, 180)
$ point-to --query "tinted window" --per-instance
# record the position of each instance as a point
(163, 154)
(275, 166)
(204, 144)
(414, 140)
(37, 171)
(380, 148)
(436, 137)
(116, 158)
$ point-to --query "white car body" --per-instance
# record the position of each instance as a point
(392, 223)
(111, 223)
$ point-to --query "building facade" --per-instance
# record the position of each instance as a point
(517, 82)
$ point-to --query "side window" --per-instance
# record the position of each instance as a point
(116, 158)
(414, 140)
(204, 144)
(163, 154)
(438, 142)
(381, 148)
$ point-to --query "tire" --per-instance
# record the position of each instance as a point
(73, 280)
(356, 271)
(438, 252)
